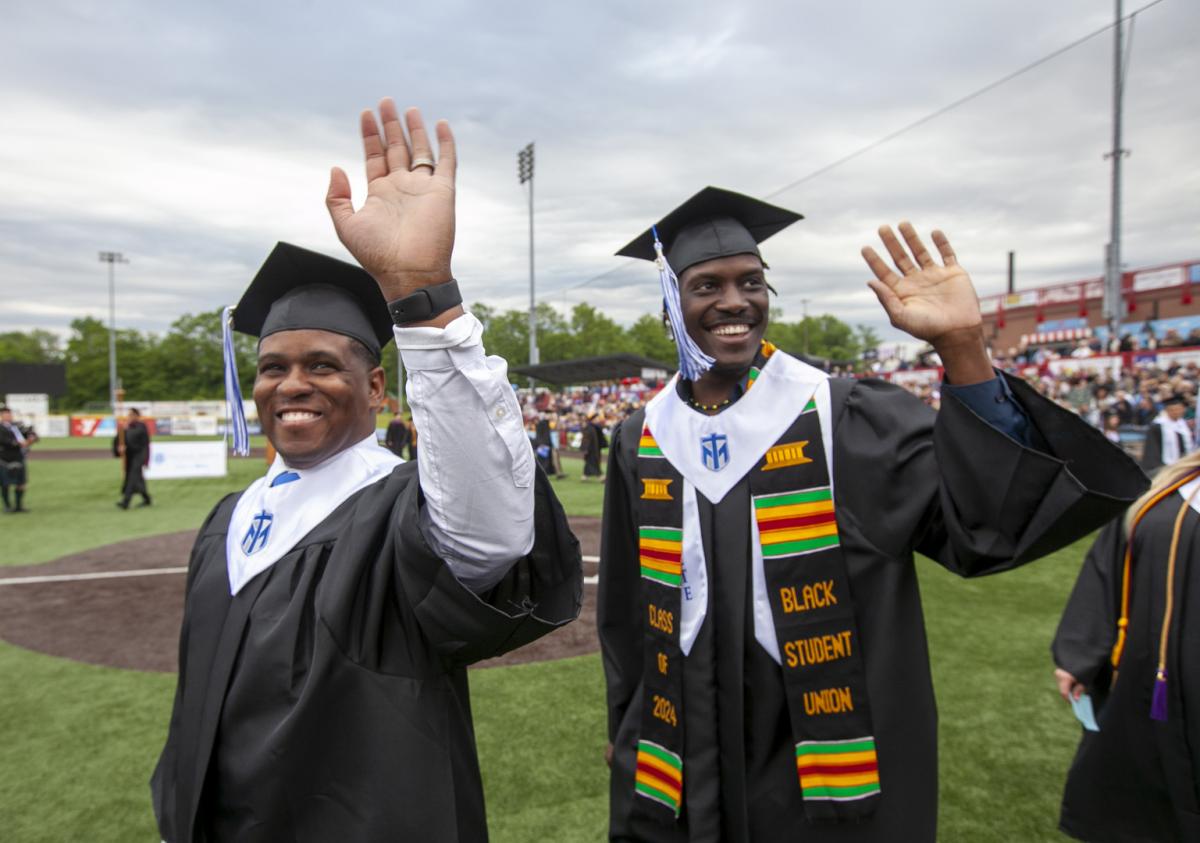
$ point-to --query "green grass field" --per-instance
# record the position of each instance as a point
(78, 743)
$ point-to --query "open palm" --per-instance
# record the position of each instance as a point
(926, 300)
(404, 233)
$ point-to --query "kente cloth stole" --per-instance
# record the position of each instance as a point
(659, 776)
(794, 522)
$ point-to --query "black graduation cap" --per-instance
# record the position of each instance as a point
(299, 289)
(714, 223)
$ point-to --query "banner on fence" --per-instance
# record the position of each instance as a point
(171, 460)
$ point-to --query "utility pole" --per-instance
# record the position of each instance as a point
(112, 258)
(1112, 267)
(525, 173)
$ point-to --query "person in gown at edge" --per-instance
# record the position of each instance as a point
(1128, 639)
(763, 643)
(1168, 438)
(332, 607)
(133, 446)
(15, 441)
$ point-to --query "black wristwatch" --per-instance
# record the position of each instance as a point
(425, 303)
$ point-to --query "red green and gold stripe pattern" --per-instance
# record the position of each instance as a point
(839, 771)
(767, 350)
(659, 775)
(660, 551)
(795, 523)
(810, 406)
(647, 447)
(752, 377)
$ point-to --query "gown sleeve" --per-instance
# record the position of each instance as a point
(958, 490)
(1086, 633)
(618, 604)
(540, 592)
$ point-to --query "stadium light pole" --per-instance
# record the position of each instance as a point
(525, 174)
(112, 258)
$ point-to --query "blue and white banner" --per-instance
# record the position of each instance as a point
(172, 460)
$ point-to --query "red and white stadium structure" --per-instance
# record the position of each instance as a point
(1063, 314)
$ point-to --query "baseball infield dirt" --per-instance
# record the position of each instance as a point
(133, 621)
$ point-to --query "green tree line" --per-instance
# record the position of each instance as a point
(185, 362)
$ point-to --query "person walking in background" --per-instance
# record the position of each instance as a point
(543, 447)
(398, 435)
(1131, 614)
(14, 445)
(594, 441)
(133, 444)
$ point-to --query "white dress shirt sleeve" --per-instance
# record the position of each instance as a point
(476, 464)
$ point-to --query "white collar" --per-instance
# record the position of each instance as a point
(1166, 421)
(269, 520)
(747, 429)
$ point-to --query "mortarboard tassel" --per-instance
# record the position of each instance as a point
(233, 390)
(1158, 701)
(692, 361)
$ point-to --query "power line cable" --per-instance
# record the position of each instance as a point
(907, 128)
(960, 101)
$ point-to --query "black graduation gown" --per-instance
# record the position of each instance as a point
(1136, 779)
(1152, 450)
(959, 491)
(328, 699)
(137, 453)
(593, 441)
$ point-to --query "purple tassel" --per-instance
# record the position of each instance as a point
(1158, 702)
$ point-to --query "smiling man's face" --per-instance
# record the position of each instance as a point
(315, 394)
(725, 304)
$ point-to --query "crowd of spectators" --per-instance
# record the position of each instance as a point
(1118, 401)
(1121, 402)
(569, 410)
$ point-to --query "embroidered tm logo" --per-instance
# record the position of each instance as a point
(258, 534)
(714, 451)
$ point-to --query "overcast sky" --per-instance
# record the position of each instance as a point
(191, 137)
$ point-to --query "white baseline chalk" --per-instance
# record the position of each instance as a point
(150, 572)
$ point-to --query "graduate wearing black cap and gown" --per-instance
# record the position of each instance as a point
(1130, 641)
(1168, 437)
(332, 607)
(764, 648)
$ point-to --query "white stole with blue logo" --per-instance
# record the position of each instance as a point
(269, 519)
(743, 434)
